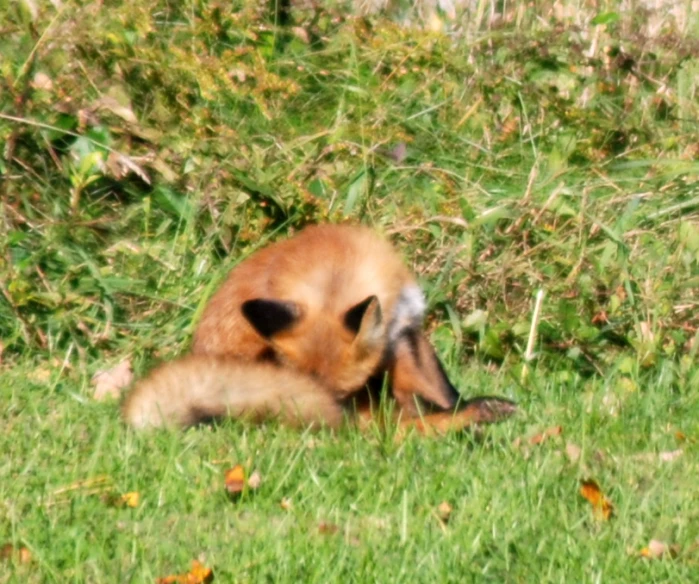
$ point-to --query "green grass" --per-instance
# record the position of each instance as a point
(148, 148)
(517, 515)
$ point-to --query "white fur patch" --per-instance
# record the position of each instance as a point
(408, 312)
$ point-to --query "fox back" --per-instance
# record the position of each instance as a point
(331, 302)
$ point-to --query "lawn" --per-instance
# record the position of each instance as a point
(148, 148)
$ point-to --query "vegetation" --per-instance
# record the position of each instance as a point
(149, 146)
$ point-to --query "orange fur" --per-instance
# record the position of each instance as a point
(297, 330)
(324, 271)
(200, 388)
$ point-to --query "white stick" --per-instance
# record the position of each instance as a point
(529, 353)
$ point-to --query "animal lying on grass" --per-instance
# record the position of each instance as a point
(296, 333)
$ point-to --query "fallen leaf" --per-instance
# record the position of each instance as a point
(109, 103)
(131, 499)
(9, 553)
(670, 456)
(126, 500)
(111, 382)
(444, 510)
(657, 549)
(40, 374)
(42, 82)
(573, 452)
(602, 507)
(652, 457)
(199, 574)
(301, 34)
(119, 166)
(286, 504)
(255, 480)
(235, 479)
(549, 432)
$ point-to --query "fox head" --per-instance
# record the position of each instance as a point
(341, 351)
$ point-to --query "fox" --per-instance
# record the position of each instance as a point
(298, 330)
(198, 389)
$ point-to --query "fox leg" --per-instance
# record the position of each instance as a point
(418, 379)
(415, 372)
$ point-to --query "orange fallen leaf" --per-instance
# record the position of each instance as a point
(444, 510)
(286, 504)
(126, 500)
(21, 555)
(110, 383)
(548, 433)
(131, 499)
(235, 479)
(657, 549)
(602, 507)
(199, 574)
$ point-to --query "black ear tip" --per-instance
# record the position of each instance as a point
(354, 316)
(269, 317)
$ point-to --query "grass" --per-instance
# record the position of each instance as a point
(148, 148)
(363, 507)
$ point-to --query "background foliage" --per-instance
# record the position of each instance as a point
(150, 145)
(506, 148)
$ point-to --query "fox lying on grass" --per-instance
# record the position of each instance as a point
(298, 330)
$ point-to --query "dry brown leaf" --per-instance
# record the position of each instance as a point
(119, 165)
(573, 452)
(111, 382)
(199, 574)
(286, 504)
(41, 374)
(670, 456)
(301, 34)
(652, 457)
(98, 485)
(543, 436)
(255, 480)
(602, 507)
(657, 549)
(444, 510)
(10, 553)
(42, 82)
(109, 103)
(235, 479)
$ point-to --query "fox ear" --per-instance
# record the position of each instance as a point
(270, 317)
(366, 321)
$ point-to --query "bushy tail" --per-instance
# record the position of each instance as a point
(199, 388)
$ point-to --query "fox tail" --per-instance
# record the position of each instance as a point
(197, 389)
